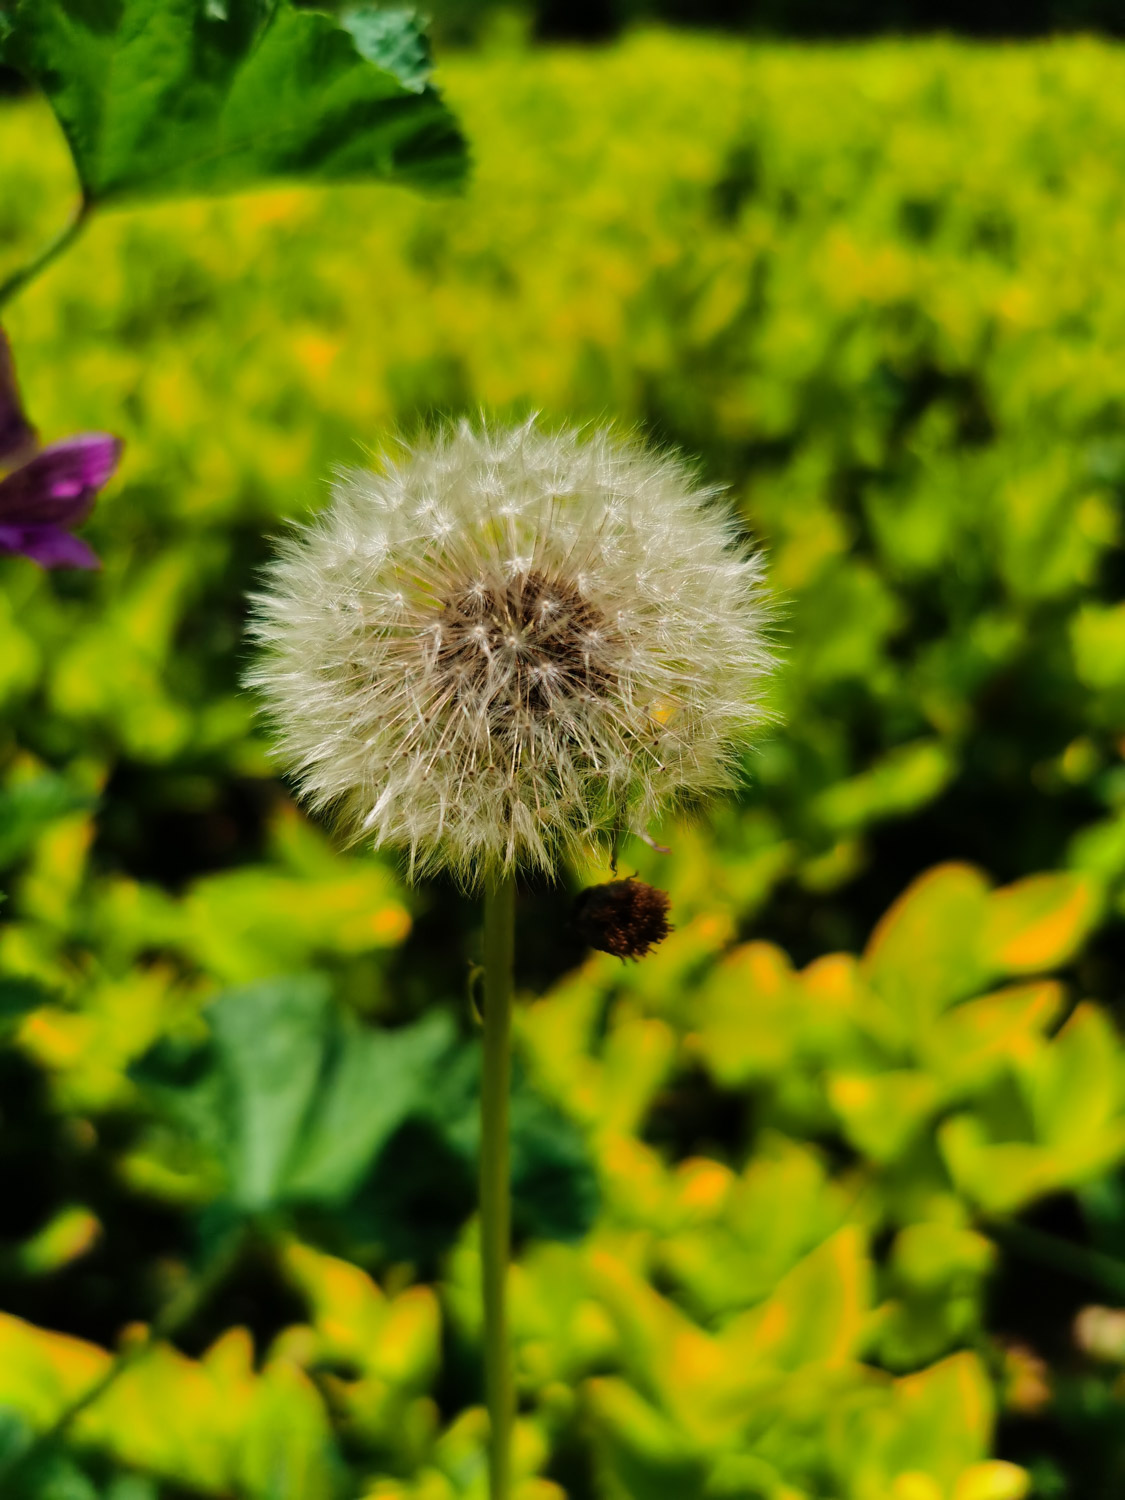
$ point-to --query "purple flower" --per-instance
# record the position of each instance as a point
(50, 491)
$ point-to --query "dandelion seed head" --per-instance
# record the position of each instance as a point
(509, 643)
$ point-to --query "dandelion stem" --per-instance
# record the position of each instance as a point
(495, 1185)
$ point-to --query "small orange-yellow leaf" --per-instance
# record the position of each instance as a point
(1038, 923)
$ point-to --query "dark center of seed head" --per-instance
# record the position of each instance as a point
(534, 639)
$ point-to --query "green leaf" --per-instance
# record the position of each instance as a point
(648, 1456)
(1097, 636)
(15, 1433)
(817, 1311)
(70, 1233)
(160, 97)
(374, 1081)
(270, 1039)
(974, 1042)
(904, 779)
(29, 807)
(925, 952)
(52, 1475)
(393, 39)
(936, 1422)
(1039, 923)
(293, 1098)
(882, 1113)
(184, 1084)
(554, 1189)
(1074, 1086)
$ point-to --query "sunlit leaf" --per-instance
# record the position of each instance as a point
(936, 1424)
(881, 1113)
(744, 1014)
(1076, 1086)
(817, 1313)
(396, 1340)
(904, 779)
(1098, 640)
(926, 950)
(68, 1234)
(974, 1041)
(1039, 922)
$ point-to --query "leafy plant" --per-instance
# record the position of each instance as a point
(841, 1160)
(204, 96)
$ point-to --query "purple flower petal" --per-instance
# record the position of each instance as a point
(57, 486)
(16, 433)
(49, 546)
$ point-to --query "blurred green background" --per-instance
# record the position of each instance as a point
(820, 1202)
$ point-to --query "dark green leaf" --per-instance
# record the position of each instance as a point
(182, 96)
(554, 1188)
(424, 1185)
(51, 1475)
(293, 1098)
(375, 1080)
(14, 1434)
(185, 1084)
(270, 1042)
(419, 1196)
(299, 1101)
(17, 997)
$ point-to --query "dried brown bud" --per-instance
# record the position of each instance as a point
(624, 917)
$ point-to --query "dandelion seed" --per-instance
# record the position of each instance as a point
(510, 643)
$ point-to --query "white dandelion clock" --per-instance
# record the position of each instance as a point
(509, 644)
(505, 646)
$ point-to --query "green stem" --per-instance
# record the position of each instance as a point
(495, 1183)
(19, 279)
(172, 1317)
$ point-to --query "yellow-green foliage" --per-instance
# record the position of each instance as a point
(759, 1370)
(878, 291)
(887, 315)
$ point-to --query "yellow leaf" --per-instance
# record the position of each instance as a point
(883, 1112)
(817, 1313)
(915, 1485)
(1038, 923)
(70, 1233)
(342, 1296)
(994, 1480)
(972, 1042)
(925, 952)
(745, 1014)
(41, 1372)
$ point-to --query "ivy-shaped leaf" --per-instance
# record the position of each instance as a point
(162, 97)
